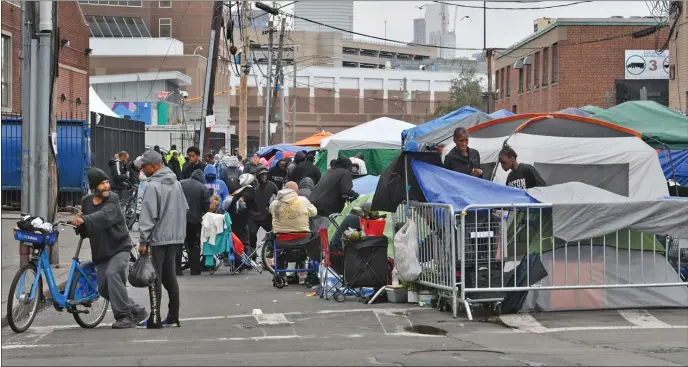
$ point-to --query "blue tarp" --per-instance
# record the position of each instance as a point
(440, 185)
(501, 113)
(269, 151)
(420, 130)
(366, 184)
(680, 160)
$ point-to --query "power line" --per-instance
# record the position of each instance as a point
(514, 8)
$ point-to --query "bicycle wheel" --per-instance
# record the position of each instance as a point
(268, 257)
(130, 212)
(21, 318)
(95, 311)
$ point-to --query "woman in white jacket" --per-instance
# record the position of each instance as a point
(290, 212)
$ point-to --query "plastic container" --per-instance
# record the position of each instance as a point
(373, 227)
(411, 296)
(425, 298)
(396, 294)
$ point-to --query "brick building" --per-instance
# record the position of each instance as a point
(72, 80)
(572, 63)
(678, 80)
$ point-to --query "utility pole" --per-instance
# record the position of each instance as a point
(243, 84)
(293, 106)
(210, 71)
(404, 96)
(488, 60)
(279, 80)
(268, 87)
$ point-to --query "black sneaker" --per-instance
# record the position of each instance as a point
(125, 323)
(171, 321)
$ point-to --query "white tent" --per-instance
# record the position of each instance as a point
(381, 133)
(95, 104)
(566, 148)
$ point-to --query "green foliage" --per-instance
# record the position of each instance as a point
(466, 90)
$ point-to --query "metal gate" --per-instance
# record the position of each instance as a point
(110, 135)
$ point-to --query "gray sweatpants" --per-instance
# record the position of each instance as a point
(112, 285)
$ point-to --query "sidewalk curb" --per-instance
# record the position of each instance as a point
(41, 305)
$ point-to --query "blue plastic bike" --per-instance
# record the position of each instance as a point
(80, 296)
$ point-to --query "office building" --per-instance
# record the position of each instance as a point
(338, 14)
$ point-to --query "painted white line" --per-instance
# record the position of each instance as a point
(377, 315)
(271, 319)
(417, 335)
(643, 319)
(257, 311)
(524, 322)
(603, 328)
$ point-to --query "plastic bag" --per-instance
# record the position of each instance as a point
(406, 252)
(142, 273)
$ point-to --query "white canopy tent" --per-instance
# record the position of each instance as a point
(95, 104)
(381, 133)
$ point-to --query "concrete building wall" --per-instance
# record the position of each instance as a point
(419, 31)
(338, 14)
(587, 68)
(678, 51)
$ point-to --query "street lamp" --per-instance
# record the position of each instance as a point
(198, 48)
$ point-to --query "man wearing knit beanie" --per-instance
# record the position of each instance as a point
(103, 223)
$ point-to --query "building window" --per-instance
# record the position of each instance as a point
(555, 63)
(497, 81)
(135, 4)
(545, 66)
(501, 85)
(100, 26)
(520, 80)
(165, 27)
(508, 81)
(6, 64)
(536, 74)
(164, 4)
(529, 71)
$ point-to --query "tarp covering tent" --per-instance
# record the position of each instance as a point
(675, 167)
(379, 140)
(95, 104)
(576, 111)
(661, 127)
(420, 130)
(271, 150)
(430, 140)
(567, 148)
(501, 113)
(592, 109)
(366, 185)
(313, 141)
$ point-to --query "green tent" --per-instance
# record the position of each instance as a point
(592, 109)
(658, 124)
(389, 229)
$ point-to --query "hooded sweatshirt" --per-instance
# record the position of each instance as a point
(278, 175)
(258, 199)
(305, 187)
(458, 162)
(298, 158)
(197, 197)
(231, 170)
(306, 169)
(118, 174)
(331, 193)
(163, 210)
(217, 186)
(105, 227)
(290, 212)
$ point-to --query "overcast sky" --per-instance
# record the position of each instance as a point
(504, 27)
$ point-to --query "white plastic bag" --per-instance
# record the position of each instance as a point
(406, 252)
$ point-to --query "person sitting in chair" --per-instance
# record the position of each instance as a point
(290, 213)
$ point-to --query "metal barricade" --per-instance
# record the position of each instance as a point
(437, 246)
(498, 243)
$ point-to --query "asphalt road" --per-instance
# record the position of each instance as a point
(242, 320)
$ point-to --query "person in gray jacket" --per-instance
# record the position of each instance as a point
(198, 198)
(163, 210)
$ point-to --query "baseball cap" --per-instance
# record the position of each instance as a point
(149, 157)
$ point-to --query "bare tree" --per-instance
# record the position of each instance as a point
(466, 90)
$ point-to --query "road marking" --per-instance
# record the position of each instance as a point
(524, 322)
(604, 328)
(643, 319)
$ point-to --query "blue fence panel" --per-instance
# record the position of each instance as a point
(72, 154)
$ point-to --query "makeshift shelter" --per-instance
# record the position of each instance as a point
(501, 113)
(379, 140)
(576, 111)
(269, 151)
(661, 127)
(313, 141)
(580, 212)
(675, 165)
(429, 141)
(568, 148)
(592, 109)
(365, 185)
(450, 118)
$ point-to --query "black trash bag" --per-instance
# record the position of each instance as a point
(514, 300)
(142, 273)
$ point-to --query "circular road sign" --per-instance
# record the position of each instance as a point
(635, 65)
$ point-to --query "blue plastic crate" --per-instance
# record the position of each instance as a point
(35, 238)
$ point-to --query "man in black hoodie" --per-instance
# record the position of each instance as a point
(306, 168)
(461, 158)
(198, 198)
(298, 158)
(257, 203)
(119, 176)
(103, 223)
(278, 174)
(193, 162)
(336, 187)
